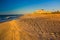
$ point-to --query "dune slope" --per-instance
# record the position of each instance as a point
(32, 27)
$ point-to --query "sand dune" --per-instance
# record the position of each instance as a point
(32, 27)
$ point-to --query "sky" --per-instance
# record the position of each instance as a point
(27, 6)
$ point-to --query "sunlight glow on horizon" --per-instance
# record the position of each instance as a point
(28, 6)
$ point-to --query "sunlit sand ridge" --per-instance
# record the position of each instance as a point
(32, 27)
(9, 30)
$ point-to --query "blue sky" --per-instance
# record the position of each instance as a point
(26, 6)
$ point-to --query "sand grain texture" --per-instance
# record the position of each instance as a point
(32, 27)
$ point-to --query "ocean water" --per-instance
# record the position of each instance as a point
(4, 18)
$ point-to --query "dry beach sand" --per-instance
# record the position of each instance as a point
(32, 27)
